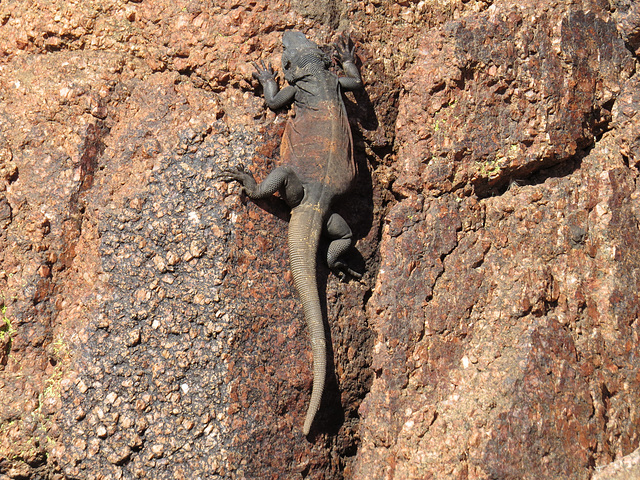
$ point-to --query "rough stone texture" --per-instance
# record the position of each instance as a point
(506, 304)
(625, 468)
(514, 90)
(148, 326)
(627, 17)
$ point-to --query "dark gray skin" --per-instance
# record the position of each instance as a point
(317, 168)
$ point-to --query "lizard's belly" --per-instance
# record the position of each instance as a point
(317, 144)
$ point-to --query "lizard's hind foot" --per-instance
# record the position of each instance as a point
(341, 270)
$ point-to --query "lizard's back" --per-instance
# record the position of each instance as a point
(317, 141)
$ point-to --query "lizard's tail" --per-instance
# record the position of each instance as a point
(304, 234)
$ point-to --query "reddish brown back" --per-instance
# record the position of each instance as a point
(317, 144)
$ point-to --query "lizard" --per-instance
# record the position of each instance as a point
(317, 168)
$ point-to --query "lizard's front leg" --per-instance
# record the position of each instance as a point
(267, 77)
(282, 179)
(345, 55)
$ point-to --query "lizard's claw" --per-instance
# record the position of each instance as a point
(344, 49)
(341, 270)
(238, 174)
(230, 174)
(264, 72)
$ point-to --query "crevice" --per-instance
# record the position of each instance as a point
(600, 121)
(92, 149)
(366, 297)
(523, 177)
(467, 73)
(629, 45)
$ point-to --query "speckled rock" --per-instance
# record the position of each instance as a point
(626, 14)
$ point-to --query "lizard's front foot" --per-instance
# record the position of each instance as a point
(344, 49)
(238, 174)
(264, 72)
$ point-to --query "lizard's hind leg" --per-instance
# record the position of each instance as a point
(282, 179)
(338, 231)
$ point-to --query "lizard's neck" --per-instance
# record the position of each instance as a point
(311, 63)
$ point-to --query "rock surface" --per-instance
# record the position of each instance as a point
(625, 468)
(506, 304)
(148, 325)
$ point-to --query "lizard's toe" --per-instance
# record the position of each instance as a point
(227, 176)
(237, 173)
(342, 270)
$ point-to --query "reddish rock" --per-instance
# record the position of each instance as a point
(506, 323)
(509, 92)
(625, 121)
(148, 327)
(627, 17)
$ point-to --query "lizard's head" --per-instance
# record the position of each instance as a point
(301, 56)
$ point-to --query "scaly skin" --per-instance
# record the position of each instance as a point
(317, 158)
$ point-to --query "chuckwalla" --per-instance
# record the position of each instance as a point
(317, 167)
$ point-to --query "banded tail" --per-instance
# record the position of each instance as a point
(305, 228)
